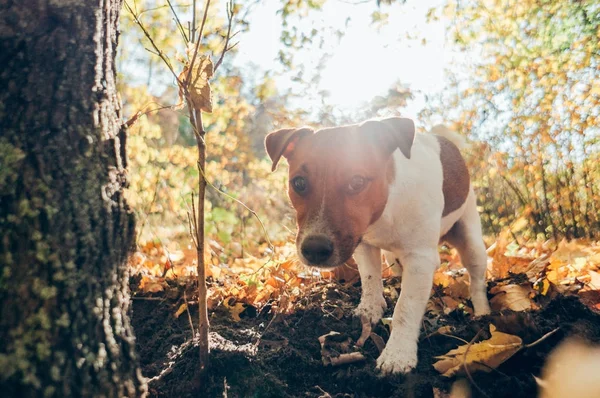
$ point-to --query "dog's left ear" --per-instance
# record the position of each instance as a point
(282, 143)
(391, 133)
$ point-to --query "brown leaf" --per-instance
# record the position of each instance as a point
(485, 356)
(153, 287)
(459, 288)
(235, 309)
(198, 85)
(511, 297)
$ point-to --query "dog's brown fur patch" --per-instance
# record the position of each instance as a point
(456, 176)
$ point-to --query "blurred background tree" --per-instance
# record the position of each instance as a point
(519, 79)
(532, 96)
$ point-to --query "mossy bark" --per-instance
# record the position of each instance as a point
(65, 229)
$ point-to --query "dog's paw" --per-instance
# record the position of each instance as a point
(371, 308)
(396, 359)
(481, 307)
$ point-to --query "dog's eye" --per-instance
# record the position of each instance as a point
(356, 184)
(300, 185)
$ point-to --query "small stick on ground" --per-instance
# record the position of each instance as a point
(544, 337)
(187, 309)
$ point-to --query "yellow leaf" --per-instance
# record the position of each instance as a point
(519, 224)
(235, 309)
(387, 322)
(511, 297)
(543, 287)
(485, 356)
(181, 309)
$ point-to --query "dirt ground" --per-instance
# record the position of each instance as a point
(266, 356)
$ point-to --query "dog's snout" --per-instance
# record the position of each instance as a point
(317, 249)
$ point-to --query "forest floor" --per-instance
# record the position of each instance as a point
(261, 353)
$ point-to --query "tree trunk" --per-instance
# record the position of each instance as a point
(65, 229)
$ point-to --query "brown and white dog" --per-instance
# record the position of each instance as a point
(376, 186)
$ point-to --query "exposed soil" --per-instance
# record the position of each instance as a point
(266, 356)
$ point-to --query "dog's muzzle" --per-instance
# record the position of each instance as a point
(317, 249)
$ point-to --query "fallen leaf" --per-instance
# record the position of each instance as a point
(235, 309)
(543, 286)
(181, 309)
(590, 294)
(511, 297)
(450, 304)
(153, 287)
(594, 281)
(387, 322)
(485, 355)
(459, 288)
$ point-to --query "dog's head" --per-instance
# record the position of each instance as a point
(338, 182)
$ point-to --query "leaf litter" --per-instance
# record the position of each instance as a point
(530, 289)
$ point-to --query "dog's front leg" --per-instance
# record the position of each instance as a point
(372, 304)
(400, 353)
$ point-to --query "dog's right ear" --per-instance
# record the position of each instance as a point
(391, 134)
(282, 143)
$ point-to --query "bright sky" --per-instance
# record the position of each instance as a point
(367, 61)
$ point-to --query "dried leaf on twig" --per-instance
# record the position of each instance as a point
(198, 85)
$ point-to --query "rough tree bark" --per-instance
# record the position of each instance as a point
(65, 229)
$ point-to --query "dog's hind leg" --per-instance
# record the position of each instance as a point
(467, 238)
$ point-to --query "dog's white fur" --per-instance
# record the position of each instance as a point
(410, 228)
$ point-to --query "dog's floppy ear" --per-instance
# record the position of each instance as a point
(391, 133)
(282, 142)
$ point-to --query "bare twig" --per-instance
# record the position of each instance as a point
(544, 337)
(190, 224)
(178, 22)
(193, 27)
(265, 331)
(187, 309)
(158, 8)
(198, 40)
(151, 51)
(230, 14)
(139, 114)
(162, 55)
(194, 216)
(436, 333)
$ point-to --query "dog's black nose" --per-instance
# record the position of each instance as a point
(317, 249)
